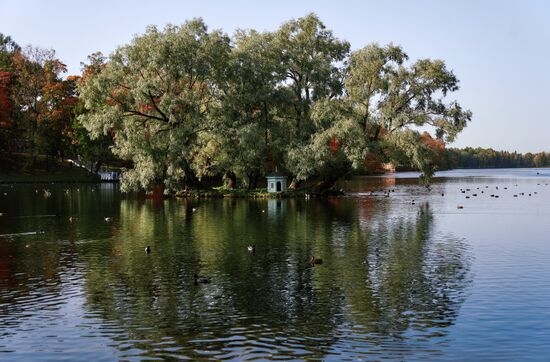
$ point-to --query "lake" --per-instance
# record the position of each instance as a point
(408, 273)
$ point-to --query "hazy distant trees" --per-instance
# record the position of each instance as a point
(488, 158)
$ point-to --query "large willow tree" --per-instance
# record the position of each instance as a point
(154, 96)
(385, 106)
(249, 136)
(309, 56)
(185, 102)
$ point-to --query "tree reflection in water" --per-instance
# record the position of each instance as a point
(387, 284)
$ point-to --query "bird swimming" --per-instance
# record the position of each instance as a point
(251, 248)
(148, 249)
(199, 279)
(315, 260)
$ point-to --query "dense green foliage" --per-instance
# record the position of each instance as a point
(156, 97)
(185, 102)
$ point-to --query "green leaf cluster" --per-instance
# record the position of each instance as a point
(184, 103)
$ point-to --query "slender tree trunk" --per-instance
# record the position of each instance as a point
(190, 179)
(293, 184)
(266, 134)
(252, 180)
(230, 179)
(325, 186)
(158, 192)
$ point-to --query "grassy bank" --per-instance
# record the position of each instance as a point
(20, 168)
(252, 194)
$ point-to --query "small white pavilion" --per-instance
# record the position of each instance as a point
(276, 182)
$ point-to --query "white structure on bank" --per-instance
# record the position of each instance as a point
(276, 182)
(109, 176)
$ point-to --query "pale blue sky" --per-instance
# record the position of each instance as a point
(500, 50)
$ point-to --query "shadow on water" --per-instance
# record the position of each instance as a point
(387, 285)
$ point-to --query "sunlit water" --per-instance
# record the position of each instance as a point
(407, 276)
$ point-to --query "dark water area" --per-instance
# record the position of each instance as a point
(406, 275)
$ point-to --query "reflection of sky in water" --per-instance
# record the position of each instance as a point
(501, 173)
(400, 280)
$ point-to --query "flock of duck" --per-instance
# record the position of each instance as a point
(201, 279)
(469, 193)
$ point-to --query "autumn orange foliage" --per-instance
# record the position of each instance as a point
(6, 105)
(334, 145)
(434, 144)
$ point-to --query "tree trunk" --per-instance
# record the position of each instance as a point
(158, 192)
(293, 184)
(190, 179)
(229, 179)
(97, 167)
(252, 181)
(324, 186)
(256, 179)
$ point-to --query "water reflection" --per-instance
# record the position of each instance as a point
(388, 284)
(385, 278)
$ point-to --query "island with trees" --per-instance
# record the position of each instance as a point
(185, 107)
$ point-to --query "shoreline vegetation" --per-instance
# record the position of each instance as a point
(24, 168)
(188, 108)
(51, 171)
(183, 103)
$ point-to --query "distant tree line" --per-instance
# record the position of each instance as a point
(488, 158)
(470, 157)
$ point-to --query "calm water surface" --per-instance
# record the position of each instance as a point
(405, 277)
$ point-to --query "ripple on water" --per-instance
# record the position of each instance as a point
(400, 281)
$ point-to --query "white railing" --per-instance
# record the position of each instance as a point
(109, 176)
(103, 174)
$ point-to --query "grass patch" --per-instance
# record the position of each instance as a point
(222, 192)
(20, 168)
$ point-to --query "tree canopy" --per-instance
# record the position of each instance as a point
(155, 97)
(185, 102)
(36, 103)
